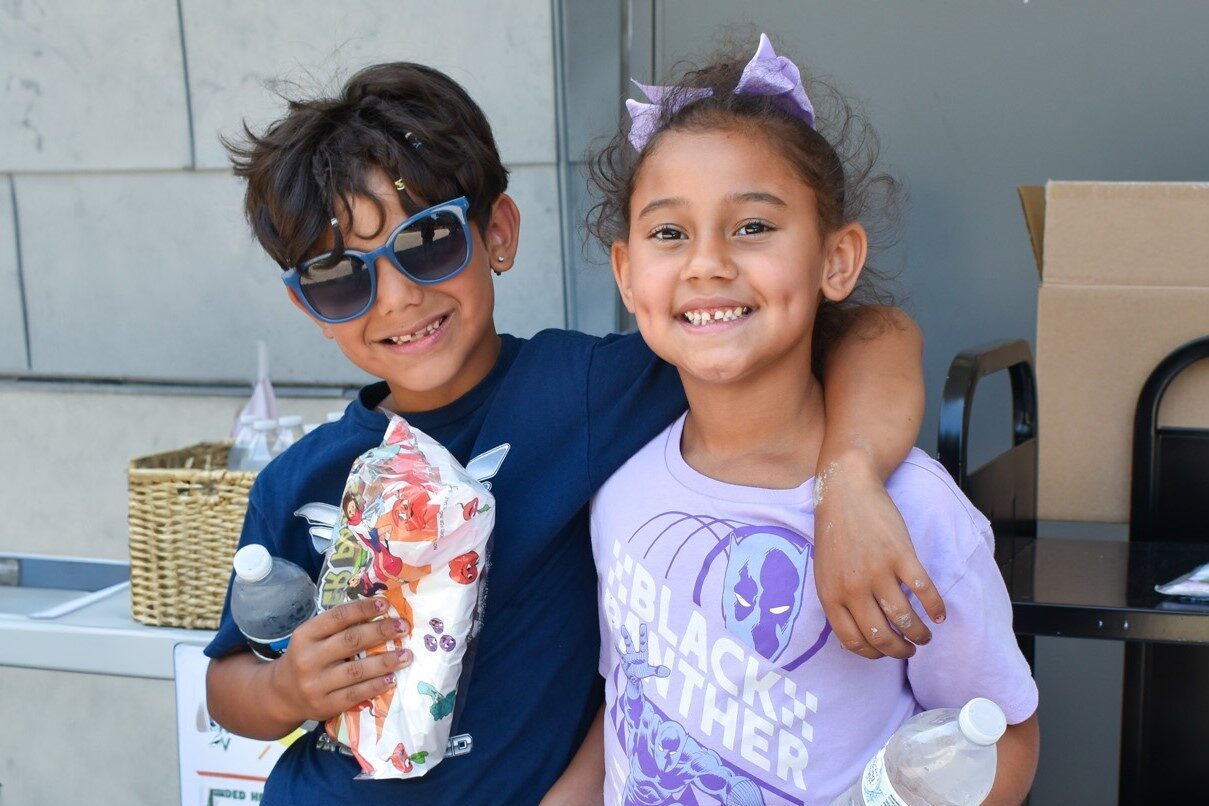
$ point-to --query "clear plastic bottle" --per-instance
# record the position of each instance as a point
(243, 438)
(943, 757)
(269, 599)
(289, 431)
(260, 449)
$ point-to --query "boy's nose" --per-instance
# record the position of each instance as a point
(395, 290)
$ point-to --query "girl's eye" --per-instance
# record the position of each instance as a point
(666, 233)
(753, 228)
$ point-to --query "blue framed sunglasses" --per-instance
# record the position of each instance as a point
(430, 247)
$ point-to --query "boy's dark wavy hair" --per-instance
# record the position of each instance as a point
(411, 121)
(837, 158)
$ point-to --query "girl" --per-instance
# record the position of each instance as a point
(734, 225)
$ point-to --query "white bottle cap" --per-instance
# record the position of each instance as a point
(264, 425)
(334, 416)
(982, 721)
(252, 563)
(290, 421)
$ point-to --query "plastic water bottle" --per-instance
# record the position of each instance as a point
(260, 449)
(269, 599)
(243, 438)
(943, 757)
(289, 431)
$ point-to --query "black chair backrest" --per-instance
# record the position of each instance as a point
(1170, 496)
(1005, 488)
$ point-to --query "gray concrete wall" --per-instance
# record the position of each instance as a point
(134, 260)
(65, 448)
(123, 249)
(86, 738)
(124, 255)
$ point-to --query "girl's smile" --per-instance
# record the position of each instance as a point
(725, 264)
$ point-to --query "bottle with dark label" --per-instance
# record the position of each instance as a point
(269, 599)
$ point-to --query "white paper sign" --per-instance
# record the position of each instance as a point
(216, 766)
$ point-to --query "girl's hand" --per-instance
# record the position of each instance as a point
(318, 677)
(863, 555)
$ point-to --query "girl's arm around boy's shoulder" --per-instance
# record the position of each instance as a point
(874, 395)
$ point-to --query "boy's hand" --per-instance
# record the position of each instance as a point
(317, 678)
(863, 555)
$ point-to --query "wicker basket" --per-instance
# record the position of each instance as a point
(186, 513)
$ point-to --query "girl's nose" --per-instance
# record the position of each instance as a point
(708, 258)
(395, 290)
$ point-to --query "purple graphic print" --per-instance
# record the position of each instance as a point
(765, 577)
(665, 762)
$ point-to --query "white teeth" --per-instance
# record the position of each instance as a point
(705, 317)
(419, 334)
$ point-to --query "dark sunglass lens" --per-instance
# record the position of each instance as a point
(433, 248)
(339, 290)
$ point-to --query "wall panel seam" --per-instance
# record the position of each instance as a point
(561, 140)
(12, 191)
(180, 21)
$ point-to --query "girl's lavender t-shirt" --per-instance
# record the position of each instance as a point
(725, 683)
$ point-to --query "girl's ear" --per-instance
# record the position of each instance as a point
(503, 233)
(619, 254)
(846, 253)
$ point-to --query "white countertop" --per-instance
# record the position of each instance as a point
(99, 638)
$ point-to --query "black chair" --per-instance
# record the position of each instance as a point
(1166, 700)
(1005, 488)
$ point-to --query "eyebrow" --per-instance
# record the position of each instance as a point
(757, 196)
(749, 196)
(659, 204)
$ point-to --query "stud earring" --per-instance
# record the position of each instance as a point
(499, 258)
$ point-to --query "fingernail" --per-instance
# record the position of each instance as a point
(940, 619)
(404, 655)
(389, 679)
(401, 625)
(380, 605)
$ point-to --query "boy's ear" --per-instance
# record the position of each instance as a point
(846, 253)
(619, 255)
(324, 327)
(503, 233)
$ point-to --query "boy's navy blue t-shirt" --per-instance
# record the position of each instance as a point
(572, 408)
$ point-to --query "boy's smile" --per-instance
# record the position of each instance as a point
(430, 343)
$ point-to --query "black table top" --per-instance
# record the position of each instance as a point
(1102, 589)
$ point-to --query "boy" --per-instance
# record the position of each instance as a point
(386, 205)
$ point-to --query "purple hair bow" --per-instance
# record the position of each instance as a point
(766, 74)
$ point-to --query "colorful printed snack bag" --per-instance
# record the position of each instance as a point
(414, 529)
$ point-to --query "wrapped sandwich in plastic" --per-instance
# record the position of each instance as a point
(415, 529)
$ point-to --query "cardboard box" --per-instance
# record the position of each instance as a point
(1124, 281)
